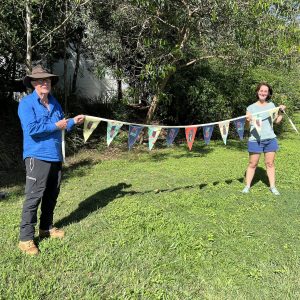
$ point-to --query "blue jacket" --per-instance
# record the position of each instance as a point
(41, 138)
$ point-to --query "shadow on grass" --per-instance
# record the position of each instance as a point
(198, 150)
(200, 186)
(16, 177)
(79, 168)
(260, 175)
(237, 144)
(104, 197)
(95, 202)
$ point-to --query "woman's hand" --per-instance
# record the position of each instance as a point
(282, 107)
(248, 116)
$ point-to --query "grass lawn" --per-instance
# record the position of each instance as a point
(169, 224)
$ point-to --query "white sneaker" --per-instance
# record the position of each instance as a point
(246, 190)
(274, 191)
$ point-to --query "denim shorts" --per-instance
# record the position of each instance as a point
(263, 146)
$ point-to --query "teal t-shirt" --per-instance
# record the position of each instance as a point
(267, 131)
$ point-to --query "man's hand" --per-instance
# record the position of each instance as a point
(79, 119)
(62, 124)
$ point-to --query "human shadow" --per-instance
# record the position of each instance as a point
(95, 202)
(104, 197)
(260, 175)
(186, 187)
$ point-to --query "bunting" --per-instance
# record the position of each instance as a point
(114, 126)
(207, 132)
(171, 135)
(257, 122)
(90, 124)
(153, 133)
(240, 127)
(224, 128)
(133, 135)
(190, 134)
(112, 131)
(291, 122)
(274, 114)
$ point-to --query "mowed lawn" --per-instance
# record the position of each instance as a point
(165, 224)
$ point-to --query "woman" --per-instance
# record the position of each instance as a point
(262, 137)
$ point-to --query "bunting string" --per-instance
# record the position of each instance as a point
(113, 127)
(182, 126)
(291, 122)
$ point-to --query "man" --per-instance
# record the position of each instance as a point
(42, 122)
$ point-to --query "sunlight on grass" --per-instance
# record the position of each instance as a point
(169, 224)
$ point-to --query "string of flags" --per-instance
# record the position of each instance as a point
(113, 127)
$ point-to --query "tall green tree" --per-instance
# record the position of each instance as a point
(36, 30)
(146, 42)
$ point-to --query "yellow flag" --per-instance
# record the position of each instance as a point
(90, 124)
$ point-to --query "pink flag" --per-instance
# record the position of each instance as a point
(190, 134)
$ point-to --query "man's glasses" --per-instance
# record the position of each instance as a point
(44, 80)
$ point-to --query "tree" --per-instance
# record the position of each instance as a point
(147, 42)
(29, 32)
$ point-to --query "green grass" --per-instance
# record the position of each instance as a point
(169, 224)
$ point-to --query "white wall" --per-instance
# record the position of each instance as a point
(88, 86)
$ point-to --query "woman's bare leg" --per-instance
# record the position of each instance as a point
(253, 162)
(270, 166)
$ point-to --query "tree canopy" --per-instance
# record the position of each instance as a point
(148, 44)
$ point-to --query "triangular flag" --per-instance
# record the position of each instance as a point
(274, 113)
(171, 135)
(153, 133)
(207, 132)
(224, 128)
(240, 127)
(257, 123)
(133, 134)
(190, 134)
(90, 123)
(112, 130)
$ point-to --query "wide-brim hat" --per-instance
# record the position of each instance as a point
(39, 72)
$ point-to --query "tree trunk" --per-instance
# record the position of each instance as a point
(154, 103)
(120, 93)
(155, 99)
(75, 75)
(28, 36)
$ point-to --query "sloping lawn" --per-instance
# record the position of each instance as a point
(169, 224)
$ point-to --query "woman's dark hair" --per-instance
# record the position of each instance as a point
(269, 88)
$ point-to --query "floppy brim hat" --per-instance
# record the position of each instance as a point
(39, 72)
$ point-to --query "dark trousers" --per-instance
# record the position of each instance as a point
(42, 186)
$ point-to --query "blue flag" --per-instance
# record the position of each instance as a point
(171, 135)
(133, 135)
(240, 126)
(207, 132)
